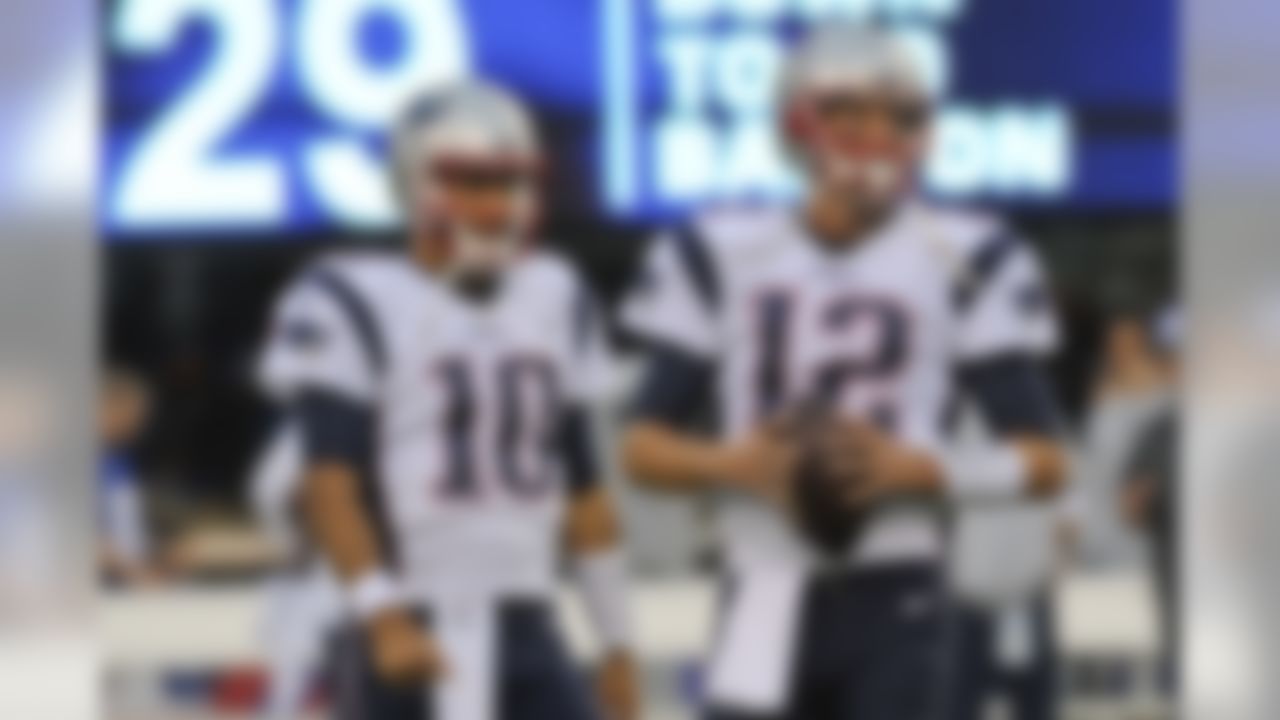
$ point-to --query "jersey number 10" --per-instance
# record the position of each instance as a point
(521, 425)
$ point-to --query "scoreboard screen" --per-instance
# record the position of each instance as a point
(262, 116)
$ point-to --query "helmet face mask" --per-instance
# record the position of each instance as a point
(480, 216)
(468, 166)
(869, 145)
(856, 114)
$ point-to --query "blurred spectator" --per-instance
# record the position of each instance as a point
(1133, 385)
(124, 554)
(1150, 492)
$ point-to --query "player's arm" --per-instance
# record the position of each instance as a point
(1005, 327)
(593, 539)
(1026, 459)
(662, 451)
(337, 436)
(674, 309)
(1015, 397)
(320, 366)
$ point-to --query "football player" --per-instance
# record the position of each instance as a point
(441, 397)
(833, 337)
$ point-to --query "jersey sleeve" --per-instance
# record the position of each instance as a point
(1003, 304)
(313, 344)
(672, 302)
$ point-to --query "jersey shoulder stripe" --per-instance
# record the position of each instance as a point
(977, 247)
(983, 264)
(999, 292)
(339, 283)
(357, 313)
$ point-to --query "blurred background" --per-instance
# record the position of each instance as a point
(238, 139)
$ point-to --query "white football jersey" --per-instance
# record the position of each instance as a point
(882, 326)
(466, 398)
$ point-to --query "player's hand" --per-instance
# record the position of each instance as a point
(762, 463)
(873, 465)
(404, 653)
(618, 686)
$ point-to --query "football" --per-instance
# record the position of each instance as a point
(821, 513)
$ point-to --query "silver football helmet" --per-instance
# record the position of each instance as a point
(850, 61)
(477, 128)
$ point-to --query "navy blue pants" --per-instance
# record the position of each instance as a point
(537, 679)
(1030, 691)
(872, 647)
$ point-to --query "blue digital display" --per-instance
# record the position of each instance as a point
(267, 116)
